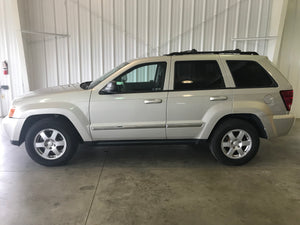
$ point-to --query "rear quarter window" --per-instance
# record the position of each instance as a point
(250, 74)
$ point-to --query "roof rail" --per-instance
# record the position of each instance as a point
(194, 51)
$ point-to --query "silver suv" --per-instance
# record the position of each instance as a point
(230, 98)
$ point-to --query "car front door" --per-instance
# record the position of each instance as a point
(132, 105)
(198, 96)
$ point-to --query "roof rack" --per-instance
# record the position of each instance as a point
(194, 51)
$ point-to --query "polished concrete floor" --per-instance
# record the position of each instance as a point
(152, 185)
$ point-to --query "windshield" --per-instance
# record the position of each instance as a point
(102, 78)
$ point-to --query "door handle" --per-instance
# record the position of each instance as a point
(218, 98)
(152, 101)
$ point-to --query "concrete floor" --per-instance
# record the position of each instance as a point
(152, 185)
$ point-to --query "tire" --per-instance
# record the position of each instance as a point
(234, 142)
(50, 142)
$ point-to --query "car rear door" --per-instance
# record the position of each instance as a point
(199, 96)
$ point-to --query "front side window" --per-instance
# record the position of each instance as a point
(142, 78)
(198, 75)
(249, 74)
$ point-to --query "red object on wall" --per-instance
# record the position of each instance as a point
(5, 67)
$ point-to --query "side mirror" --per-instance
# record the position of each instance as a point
(110, 88)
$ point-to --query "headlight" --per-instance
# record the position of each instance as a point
(11, 112)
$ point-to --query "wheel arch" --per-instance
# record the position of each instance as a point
(251, 118)
(34, 118)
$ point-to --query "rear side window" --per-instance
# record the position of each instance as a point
(198, 75)
(250, 74)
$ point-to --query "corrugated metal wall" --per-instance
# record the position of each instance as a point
(11, 51)
(289, 58)
(70, 41)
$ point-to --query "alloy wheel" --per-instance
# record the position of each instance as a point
(50, 144)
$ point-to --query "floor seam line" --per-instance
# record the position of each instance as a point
(96, 188)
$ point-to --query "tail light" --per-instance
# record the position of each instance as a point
(287, 97)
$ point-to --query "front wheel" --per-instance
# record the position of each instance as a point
(49, 142)
(234, 142)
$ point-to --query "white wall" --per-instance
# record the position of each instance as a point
(289, 58)
(11, 50)
(93, 36)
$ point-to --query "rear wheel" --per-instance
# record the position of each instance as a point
(234, 142)
(50, 142)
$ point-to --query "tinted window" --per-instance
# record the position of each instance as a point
(142, 78)
(249, 74)
(197, 75)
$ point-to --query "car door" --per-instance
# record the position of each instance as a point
(136, 109)
(198, 97)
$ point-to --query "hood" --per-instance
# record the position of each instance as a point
(57, 89)
(48, 92)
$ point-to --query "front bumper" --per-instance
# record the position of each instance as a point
(13, 127)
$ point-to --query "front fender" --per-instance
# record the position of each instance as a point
(76, 115)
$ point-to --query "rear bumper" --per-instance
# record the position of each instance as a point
(13, 127)
(279, 125)
(283, 123)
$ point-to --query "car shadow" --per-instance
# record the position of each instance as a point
(162, 156)
(273, 153)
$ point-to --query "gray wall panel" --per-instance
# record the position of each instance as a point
(289, 57)
(11, 51)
